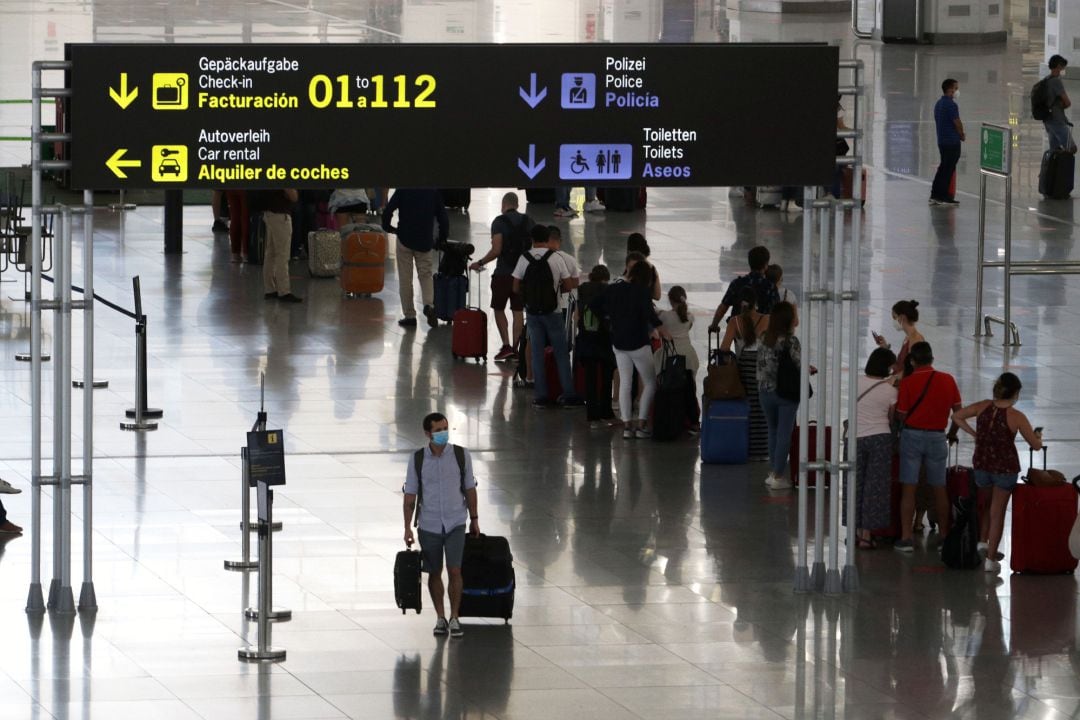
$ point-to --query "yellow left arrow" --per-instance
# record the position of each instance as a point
(124, 98)
(116, 164)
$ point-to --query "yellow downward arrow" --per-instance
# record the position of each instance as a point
(115, 163)
(124, 98)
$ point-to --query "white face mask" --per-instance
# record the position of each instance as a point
(956, 94)
(1062, 74)
(840, 113)
(897, 324)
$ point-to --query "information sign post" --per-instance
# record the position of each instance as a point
(317, 116)
(995, 160)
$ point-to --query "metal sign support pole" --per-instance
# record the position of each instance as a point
(263, 650)
(87, 596)
(820, 316)
(65, 603)
(835, 372)
(982, 256)
(245, 562)
(802, 572)
(58, 410)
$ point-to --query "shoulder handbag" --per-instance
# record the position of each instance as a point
(787, 375)
(672, 367)
(722, 381)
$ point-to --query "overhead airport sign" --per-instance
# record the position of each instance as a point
(263, 116)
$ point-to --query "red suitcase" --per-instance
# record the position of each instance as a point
(959, 480)
(811, 477)
(469, 337)
(1042, 518)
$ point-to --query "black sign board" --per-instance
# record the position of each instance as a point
(266, 457)
(272, 116)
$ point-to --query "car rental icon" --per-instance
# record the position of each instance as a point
(169, 166)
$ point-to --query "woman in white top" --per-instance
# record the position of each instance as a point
(678, 321)
(874, 446)
(775, 274)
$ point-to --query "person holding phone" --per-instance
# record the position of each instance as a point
(905, 315)
(995, 460)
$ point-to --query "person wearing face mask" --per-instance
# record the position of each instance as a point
(950, 134)
(995, 461)
(441, 490)
(905, 314)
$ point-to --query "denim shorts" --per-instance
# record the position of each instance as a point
(926, 449)
(434, 545)
(1005, 481)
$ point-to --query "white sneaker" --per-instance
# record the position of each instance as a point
(594, 206)
(455, 628)
(565, 212)
(779, 483)
(992, 566)
(7, 488)
(441, 627)
(981, 548)
(769, 479)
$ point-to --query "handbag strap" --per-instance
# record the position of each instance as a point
(866, 392)
(926, 387)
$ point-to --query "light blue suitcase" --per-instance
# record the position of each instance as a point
(725, 431)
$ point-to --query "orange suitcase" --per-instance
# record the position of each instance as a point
(363, 259)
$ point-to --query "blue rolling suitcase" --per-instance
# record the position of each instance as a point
(725, 431)
(450, 293)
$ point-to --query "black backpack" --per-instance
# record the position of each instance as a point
(1040, 100)
(418, 463)
(960, 550)
(539, 285)
(517, 240)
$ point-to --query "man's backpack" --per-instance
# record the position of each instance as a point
(418, 463)
(539, 285)
(1040, 100)
(517, 240)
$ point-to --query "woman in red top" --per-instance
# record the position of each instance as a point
(995, 460)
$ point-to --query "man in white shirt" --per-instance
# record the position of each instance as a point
(544, 321)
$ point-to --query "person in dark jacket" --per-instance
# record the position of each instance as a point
(592, 349)
(633, 321)
(276, 207)
(418, 210)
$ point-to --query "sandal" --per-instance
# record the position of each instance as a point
(864, 544)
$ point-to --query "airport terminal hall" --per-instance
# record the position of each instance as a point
(539, 359)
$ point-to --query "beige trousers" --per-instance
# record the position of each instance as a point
(424, 262)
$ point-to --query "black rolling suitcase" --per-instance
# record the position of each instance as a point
(487, 571)
(457, 198)
(1056, 174)
(407, 586)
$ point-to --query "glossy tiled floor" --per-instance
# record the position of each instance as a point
(649, 586)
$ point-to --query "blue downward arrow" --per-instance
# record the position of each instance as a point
(533, 98)
(533, 168)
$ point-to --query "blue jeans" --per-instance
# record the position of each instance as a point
(550, 330)
(923, 448)
(1058, 133)
(1005, 481)
(562, 195)
(780, 417)
(950, 156)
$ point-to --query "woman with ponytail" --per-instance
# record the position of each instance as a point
(678, 321)
(744, 331)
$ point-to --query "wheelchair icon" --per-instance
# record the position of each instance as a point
(579, 164)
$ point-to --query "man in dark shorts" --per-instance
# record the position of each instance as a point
(446, 491)
(509, 238)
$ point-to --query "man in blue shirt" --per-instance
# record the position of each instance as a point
(418, 211)
(950, 133)
(440, 478)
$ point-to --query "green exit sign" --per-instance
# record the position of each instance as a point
(995, 145)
